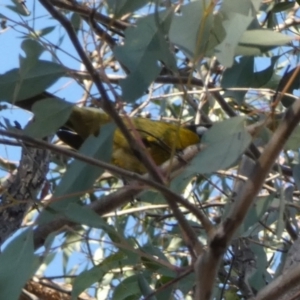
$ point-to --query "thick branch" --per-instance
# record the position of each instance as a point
(21, 189)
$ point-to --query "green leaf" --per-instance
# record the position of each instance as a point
(49, 115)
(95, 274)
(257, 279)
(85, 215)
(179, 183)
(243, 7)
(292, 80)
(19, 8)
(264, 37)
(186, 284)
(145, 287)
(145, 45)
(262, 78)
(18, 264)
(76, 22)
(86, 279)
(127, 289)
(242, 74)
(236, 16)
(167, 291)
(234, 25)
(32, 49)
(225, 142)
(154, 251)
(293, 142)
(296, 175)
(32, 78)
(122, 7)
(42, 32)
(256, 212)
(191, 31)
(152, 197)
(80, 176)
(282, 6)
(239, 75)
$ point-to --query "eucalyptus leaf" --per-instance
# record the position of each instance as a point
(190, 31)
(18, 264)
(49, 115)
(296, 175)
(257, 279)
(293, 142)
(122, 7)
(127, 289)
(282, 6)
(255, 213)
(85, 215)
(32, 78)
(145, 45)
(234, 25)
(241, 74)
(85, 280)
(76, 21)
(80, 176)
(236, 18)
(264, 37)
(42, 32)
(32, 48)
(145, 287)
(19, 7)
(225, 142)
(88, 277)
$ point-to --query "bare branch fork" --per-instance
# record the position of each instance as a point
(208, 262)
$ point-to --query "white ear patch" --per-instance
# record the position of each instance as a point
(200, 130)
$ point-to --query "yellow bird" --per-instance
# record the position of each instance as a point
(160, 138)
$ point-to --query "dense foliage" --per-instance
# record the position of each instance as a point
(218, 226)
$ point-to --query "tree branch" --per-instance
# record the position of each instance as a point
(209, 262)
(21, 189)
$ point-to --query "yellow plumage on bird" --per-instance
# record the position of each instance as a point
(161, 139)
